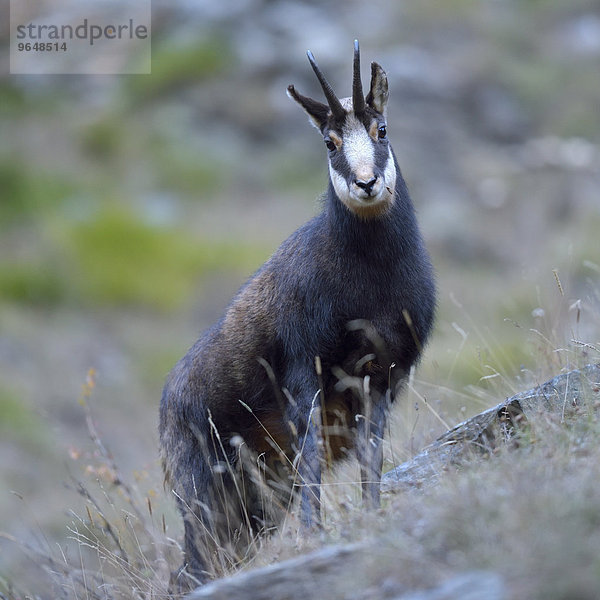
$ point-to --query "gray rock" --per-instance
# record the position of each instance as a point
(472, 585)
(323, 573)
(484, 431)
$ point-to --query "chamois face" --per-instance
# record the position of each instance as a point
(361, 162)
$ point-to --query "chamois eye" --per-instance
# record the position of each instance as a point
(330, 145)
(382, 132)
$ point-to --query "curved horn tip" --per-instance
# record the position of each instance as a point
(293, 94)
(334, 104)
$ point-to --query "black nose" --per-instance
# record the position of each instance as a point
(366, 185)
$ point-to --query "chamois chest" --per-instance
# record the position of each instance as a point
(325, 287)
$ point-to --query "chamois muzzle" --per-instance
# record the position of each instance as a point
(367, 186)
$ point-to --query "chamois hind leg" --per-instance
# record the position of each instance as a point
(212, 500)
(194, 571)
(199, 526)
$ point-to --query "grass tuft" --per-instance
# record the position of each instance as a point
(528, 512)
(121, 544)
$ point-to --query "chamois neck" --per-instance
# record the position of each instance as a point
(386, 237)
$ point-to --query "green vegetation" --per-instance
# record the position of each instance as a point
(176, 65)
(34, 283)
(115, 259)
(14, 417)
(291, 170)
(19, 422)
(103, 139)
(28, 192)
(12, 99)
(119, 260)
(192, 173)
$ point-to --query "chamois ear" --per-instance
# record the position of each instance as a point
(378, 94)
(317, 111)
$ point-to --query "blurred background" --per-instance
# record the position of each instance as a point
(133, 207)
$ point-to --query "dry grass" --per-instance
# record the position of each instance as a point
(121, 548)
(532, 515)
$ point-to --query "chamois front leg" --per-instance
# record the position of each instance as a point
(309, 474)
(305, 414)
(369, 447)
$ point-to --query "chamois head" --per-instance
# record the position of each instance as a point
(361, 163)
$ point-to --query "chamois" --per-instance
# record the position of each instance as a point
(304, 364)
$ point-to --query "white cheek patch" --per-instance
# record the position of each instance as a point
(339, 184)
(389, 174)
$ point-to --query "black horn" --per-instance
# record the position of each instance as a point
(358, 99)
(334, 104)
